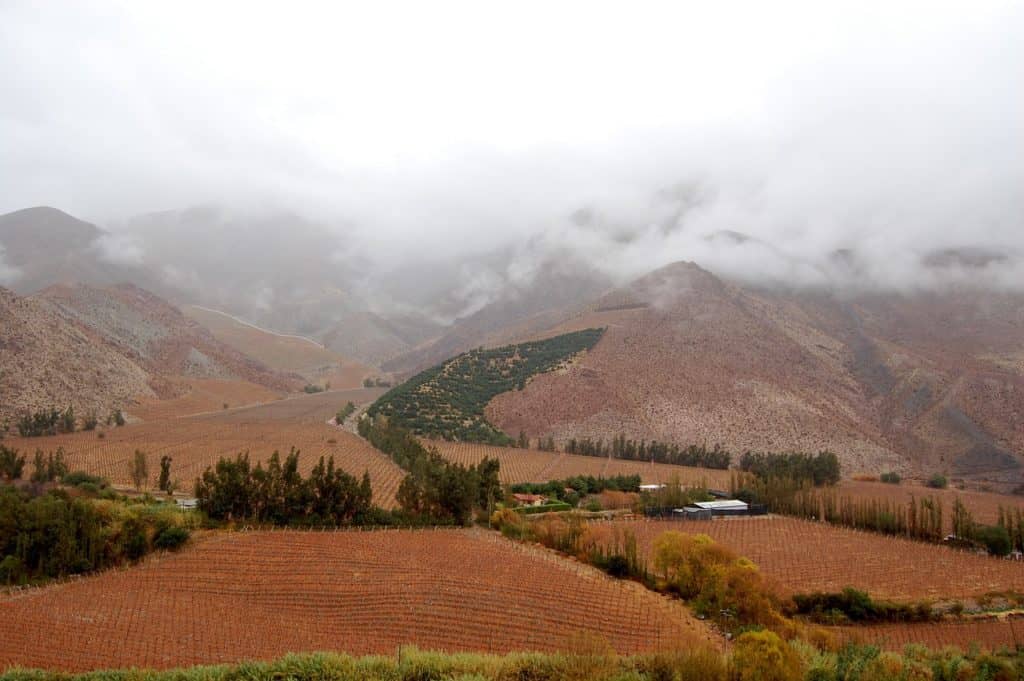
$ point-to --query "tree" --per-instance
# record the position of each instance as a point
(139, 469)
(164, 482)
(524, 442)
(938, 481)
(11, 465)
(67, 420)
(50, 467)
(90, 421)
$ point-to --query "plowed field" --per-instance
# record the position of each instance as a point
(259, 595)
(802, 557)
(989, 634)
(199, 441)
(531, 465)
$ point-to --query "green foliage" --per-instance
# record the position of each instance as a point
(48, 468)
(90, 421)
(170, 538)
(311, 389)
(938, 481)
(39, 423)
(890, 478)
(660, 452)
(545, 508)
(434, 487)
(572, 489)
(448, 400)
(820, 469)
(164, 481)
(852, 605)
(233, 490)
(117, 418)
(53, 535)
(11, 463)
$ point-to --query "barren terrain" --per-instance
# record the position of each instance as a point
(912, 385)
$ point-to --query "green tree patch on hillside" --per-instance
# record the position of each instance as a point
(448, 400)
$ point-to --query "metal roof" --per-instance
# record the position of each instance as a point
(730, 504)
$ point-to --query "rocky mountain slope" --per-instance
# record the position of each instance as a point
(909, 383)
(45, 361)
(157, 336)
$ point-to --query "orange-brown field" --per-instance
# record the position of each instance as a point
(203, 395)
(531, 465)
(237, 596)
(983, 505)
(196, 442)
(802, 557)
(988, 634)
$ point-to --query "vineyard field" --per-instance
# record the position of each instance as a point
(196, 442)
(988, 634)
(984, 506)
(531, 465)
(802, 557)
(258, 595)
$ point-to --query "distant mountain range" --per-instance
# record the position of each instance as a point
(912, 382)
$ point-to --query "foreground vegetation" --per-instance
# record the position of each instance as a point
(447, 401)
(74, 524)
(756, 656)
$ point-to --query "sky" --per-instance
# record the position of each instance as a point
(630, 133)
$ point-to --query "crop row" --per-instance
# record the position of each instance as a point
(261, 594)
(803, 557)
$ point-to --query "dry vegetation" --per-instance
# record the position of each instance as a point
(259, 595)
(199, 441)
(803, 557)
(531, 465)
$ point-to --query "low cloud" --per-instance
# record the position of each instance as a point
(121, 248)
(8, 273)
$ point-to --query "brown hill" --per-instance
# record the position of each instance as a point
(907, 383)
(157, 336)
(283, 352)
(45, 361)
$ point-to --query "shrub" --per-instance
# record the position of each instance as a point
(995, 538)
(170, 537)
(938, 481)
(891, 478)
(763, 656)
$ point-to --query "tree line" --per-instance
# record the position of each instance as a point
(434, 487)
(620, 447)
(52, 421)
(818, 469)
(234, 490)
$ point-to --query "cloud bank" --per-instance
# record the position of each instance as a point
(848, 143)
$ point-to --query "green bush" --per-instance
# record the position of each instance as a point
(170, 537)
(545, 508)
(891, 478)
(938, 481)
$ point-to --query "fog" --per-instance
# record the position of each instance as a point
(800, 143)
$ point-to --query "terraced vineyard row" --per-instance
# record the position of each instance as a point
(530, 465)
(988, 634)
(197, 442)
(262, 594)
(803, 557)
